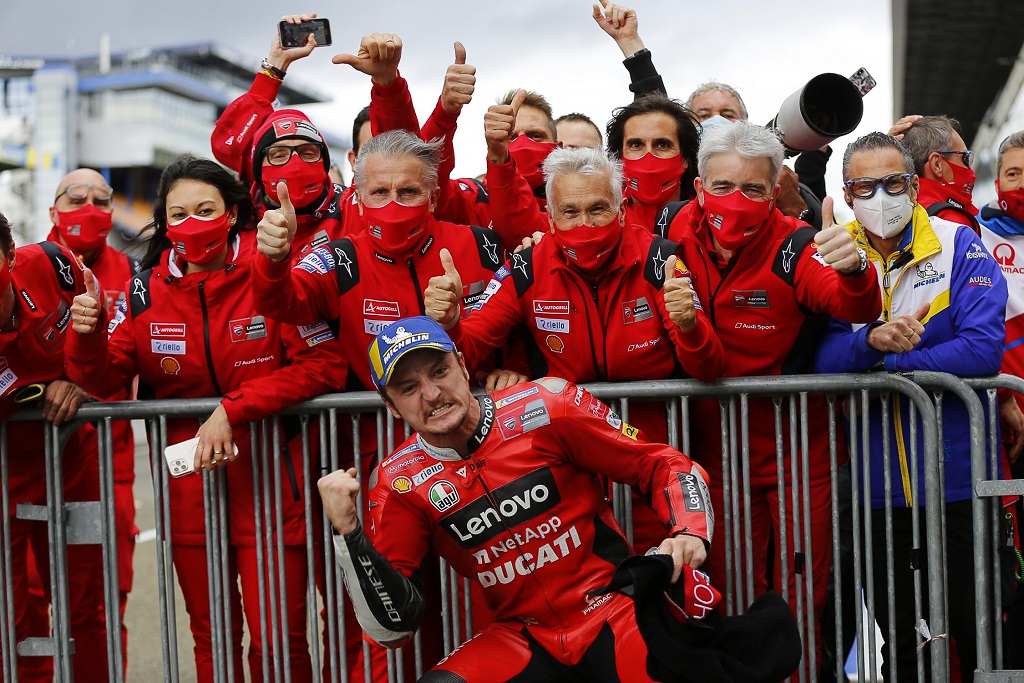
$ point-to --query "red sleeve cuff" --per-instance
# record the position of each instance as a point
(275, 271)
(501, 175)
(265, 87)
(392, 90)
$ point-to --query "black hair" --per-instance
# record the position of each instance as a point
(6, 238)
(686, 131)
(188, 167)
(362, 117)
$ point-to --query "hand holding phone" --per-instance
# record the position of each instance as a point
(181, 457)
(296, 35)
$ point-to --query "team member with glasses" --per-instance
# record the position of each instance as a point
(944, 300)
(943, 164)
(764, 279)
(37, 285)
(83, 215)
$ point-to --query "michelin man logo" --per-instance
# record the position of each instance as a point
(400, 334)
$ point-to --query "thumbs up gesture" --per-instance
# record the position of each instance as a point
(276, 230)
(499, 122)
(459, 83)
(86, 309)
(835, 244)
(444, 292)
(901, 334)
(679, 297)
(378, 57)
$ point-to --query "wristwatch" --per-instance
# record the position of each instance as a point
(270, 68)
(862, 267)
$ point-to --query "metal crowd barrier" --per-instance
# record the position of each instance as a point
(329, 423)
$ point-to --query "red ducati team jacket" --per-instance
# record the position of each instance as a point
(113, 269)
(524, 514)
(350, 281)
(613, 329)
(768, 304)
(46, 278)
(198, 335)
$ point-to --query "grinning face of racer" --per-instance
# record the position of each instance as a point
(430, 390)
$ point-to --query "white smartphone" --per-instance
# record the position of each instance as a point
(181, 457)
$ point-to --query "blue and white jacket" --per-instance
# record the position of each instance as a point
(947, 265)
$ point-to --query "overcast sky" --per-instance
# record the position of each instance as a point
(766, 50)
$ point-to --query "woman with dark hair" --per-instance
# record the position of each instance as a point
(189, 329)
(37, 284)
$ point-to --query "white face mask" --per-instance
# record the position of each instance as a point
(884, 215)
(711, 123)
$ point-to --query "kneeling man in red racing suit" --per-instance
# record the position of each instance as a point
(506, 487)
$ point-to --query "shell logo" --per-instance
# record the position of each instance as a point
(555, 343)
(170, 365)
(402, 484)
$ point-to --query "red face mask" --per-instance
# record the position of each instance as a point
(1011, 202)
(199, 240)
(962, 187)
(651, 179)
(396, 228)
(305, 181)
(735, 218)
(529, 156)
(589, 247)
(86, 228)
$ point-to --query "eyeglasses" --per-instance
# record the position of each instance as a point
(279, 155)
(967, 156)
(102, 194)
(894, 184)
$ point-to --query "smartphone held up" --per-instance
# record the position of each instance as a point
(296, 35)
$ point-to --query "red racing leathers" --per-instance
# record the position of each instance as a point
(524, 515)
(46, 278)
(113, 269)
(769, 304)
(197, 335)
(611, 329)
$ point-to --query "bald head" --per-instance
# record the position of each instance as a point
(85, 176)
(82, 208)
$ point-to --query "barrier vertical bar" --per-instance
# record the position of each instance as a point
(258, 533)
(997, 588)
(748, 531)
(837, 578)
(55, 528)
(213, 579)
(277, 489)
(812, 619)
(268, 534)
(855, 503)
(8, 638)
(111, 579)
(780, 486)
(794, 479)
(916, 530)
(869, 581)
(156, 445)
(890, 593)
(308, 492)
(733, 502)
(730, 579)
